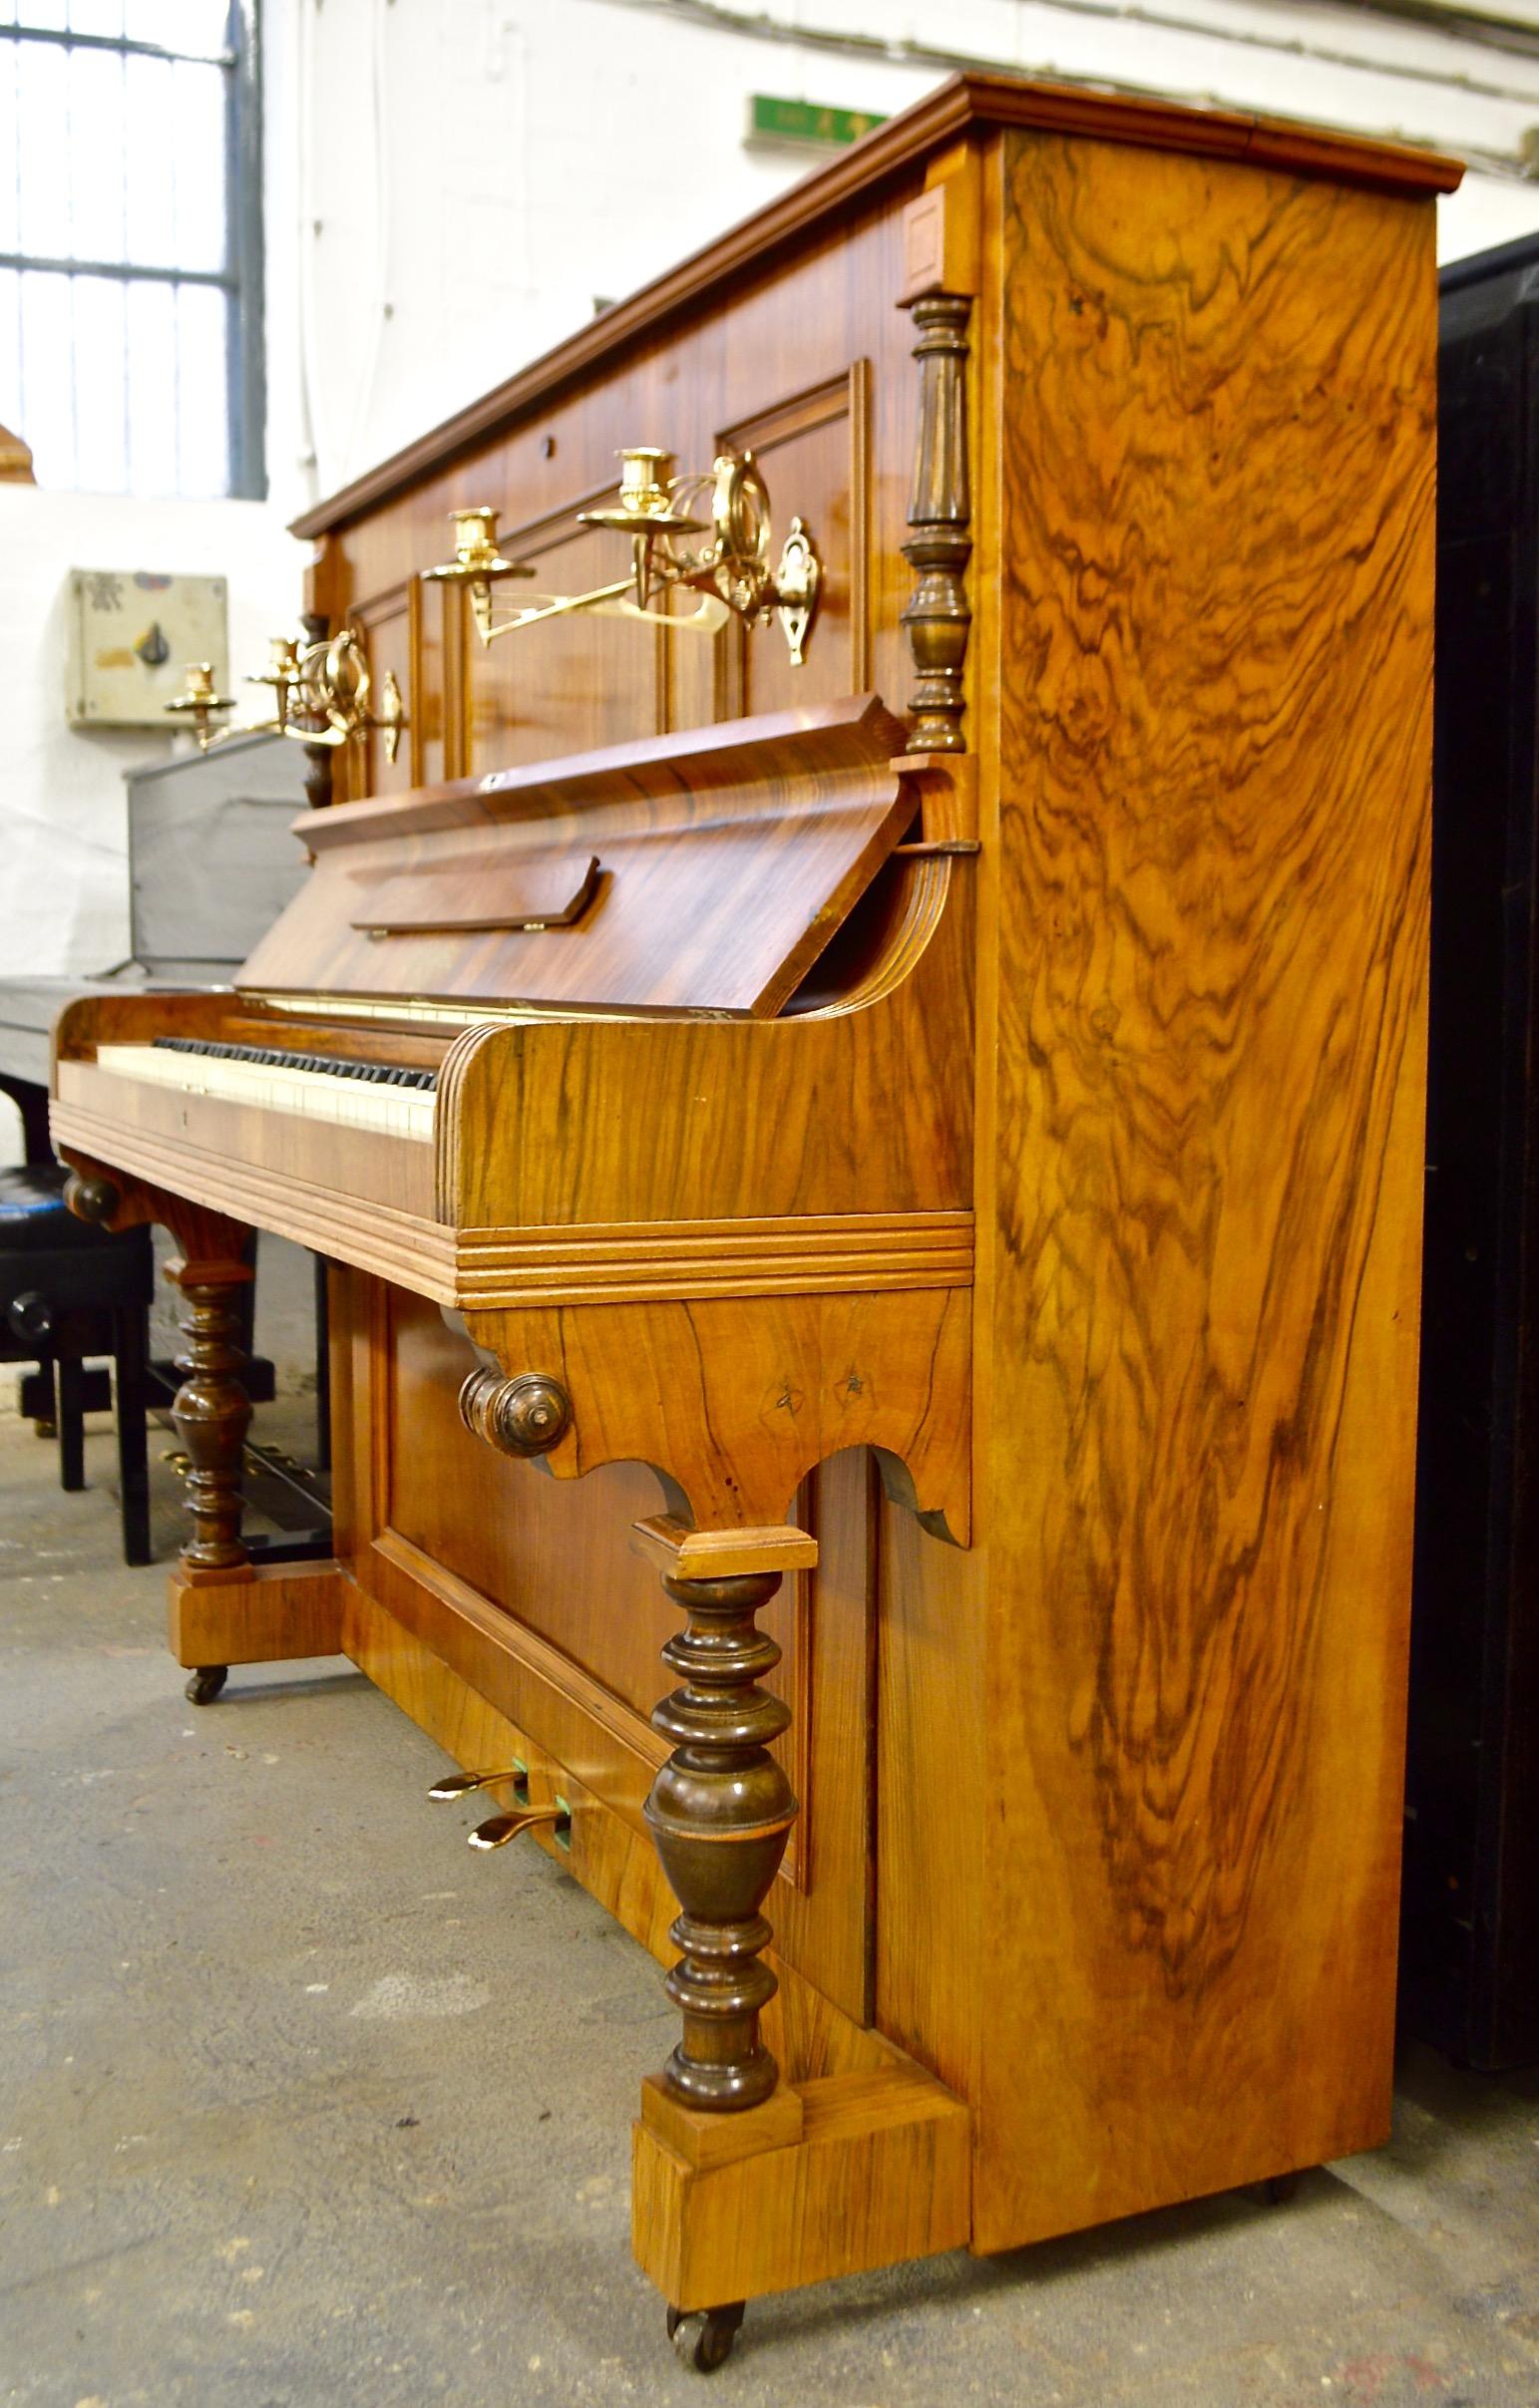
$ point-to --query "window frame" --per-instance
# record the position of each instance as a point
(242, 276)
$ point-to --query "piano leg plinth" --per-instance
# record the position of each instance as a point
(719, 1812)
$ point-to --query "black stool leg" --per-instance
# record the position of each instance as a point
(70, 1375)
(131, 1352)
(44, 1421)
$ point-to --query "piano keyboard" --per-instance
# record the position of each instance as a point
(356, 1095)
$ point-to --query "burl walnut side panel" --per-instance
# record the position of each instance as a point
(1216, 499)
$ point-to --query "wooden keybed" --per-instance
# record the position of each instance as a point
(942, 1190)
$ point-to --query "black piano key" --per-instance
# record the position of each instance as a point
(270, 1057)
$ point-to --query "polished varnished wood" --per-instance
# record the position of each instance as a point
(268, 1615)
(1206, 1221)
(537, 1592)
(610, 1854)
(720, 1813)
(988, 1198)
(211, 1413)
(210, 1410)
(704, 873)
(880, 2172)
(940, 541)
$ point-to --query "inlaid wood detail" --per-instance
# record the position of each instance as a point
(939, 620)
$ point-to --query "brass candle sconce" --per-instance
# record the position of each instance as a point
(656, 508)
(198, 702)
(320, 692)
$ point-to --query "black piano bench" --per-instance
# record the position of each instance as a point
(68, 1290)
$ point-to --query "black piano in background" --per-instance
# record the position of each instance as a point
(211, 862)
(1470, 1967)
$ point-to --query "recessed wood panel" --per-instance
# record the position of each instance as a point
(572, 683)
(389, 628)
(814, 455)
(553, 1558)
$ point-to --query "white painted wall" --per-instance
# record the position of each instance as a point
(452, 182)
(63, 806)
(463, 177)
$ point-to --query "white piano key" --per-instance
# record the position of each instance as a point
(348, 1102)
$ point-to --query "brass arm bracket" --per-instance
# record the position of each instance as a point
(320, 696)
(657, 508)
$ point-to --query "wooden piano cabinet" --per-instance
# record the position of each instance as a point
(949, 1196)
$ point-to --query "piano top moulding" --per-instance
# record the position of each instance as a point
(965, 105)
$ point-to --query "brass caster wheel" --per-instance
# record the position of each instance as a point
(205, 1684)
(703, 2339)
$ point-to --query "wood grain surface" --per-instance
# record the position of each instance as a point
(726, 859)
(272, 1614)
(880, 2173)
(584, 1122)
(1213, 821)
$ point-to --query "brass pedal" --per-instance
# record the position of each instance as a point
(500, 1829)
(461, 1785)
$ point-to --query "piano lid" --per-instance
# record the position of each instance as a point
(702, 871)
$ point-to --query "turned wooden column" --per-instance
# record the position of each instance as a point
(937, 619)
(720, 1811)
(211, 1411)
(318, 758)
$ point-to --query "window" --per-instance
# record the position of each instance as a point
(129, 244)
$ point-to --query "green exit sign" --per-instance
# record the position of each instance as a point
(776, 121)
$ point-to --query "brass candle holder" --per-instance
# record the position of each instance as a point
(198, 702)
(657, 508)
(321, 696)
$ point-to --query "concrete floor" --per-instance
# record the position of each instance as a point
(302, 2103)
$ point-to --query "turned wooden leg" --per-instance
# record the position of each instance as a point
(211, 1411)
(719, 1812)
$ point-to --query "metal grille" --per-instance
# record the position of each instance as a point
(130, 246)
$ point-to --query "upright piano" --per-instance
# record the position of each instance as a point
(908, 1101)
